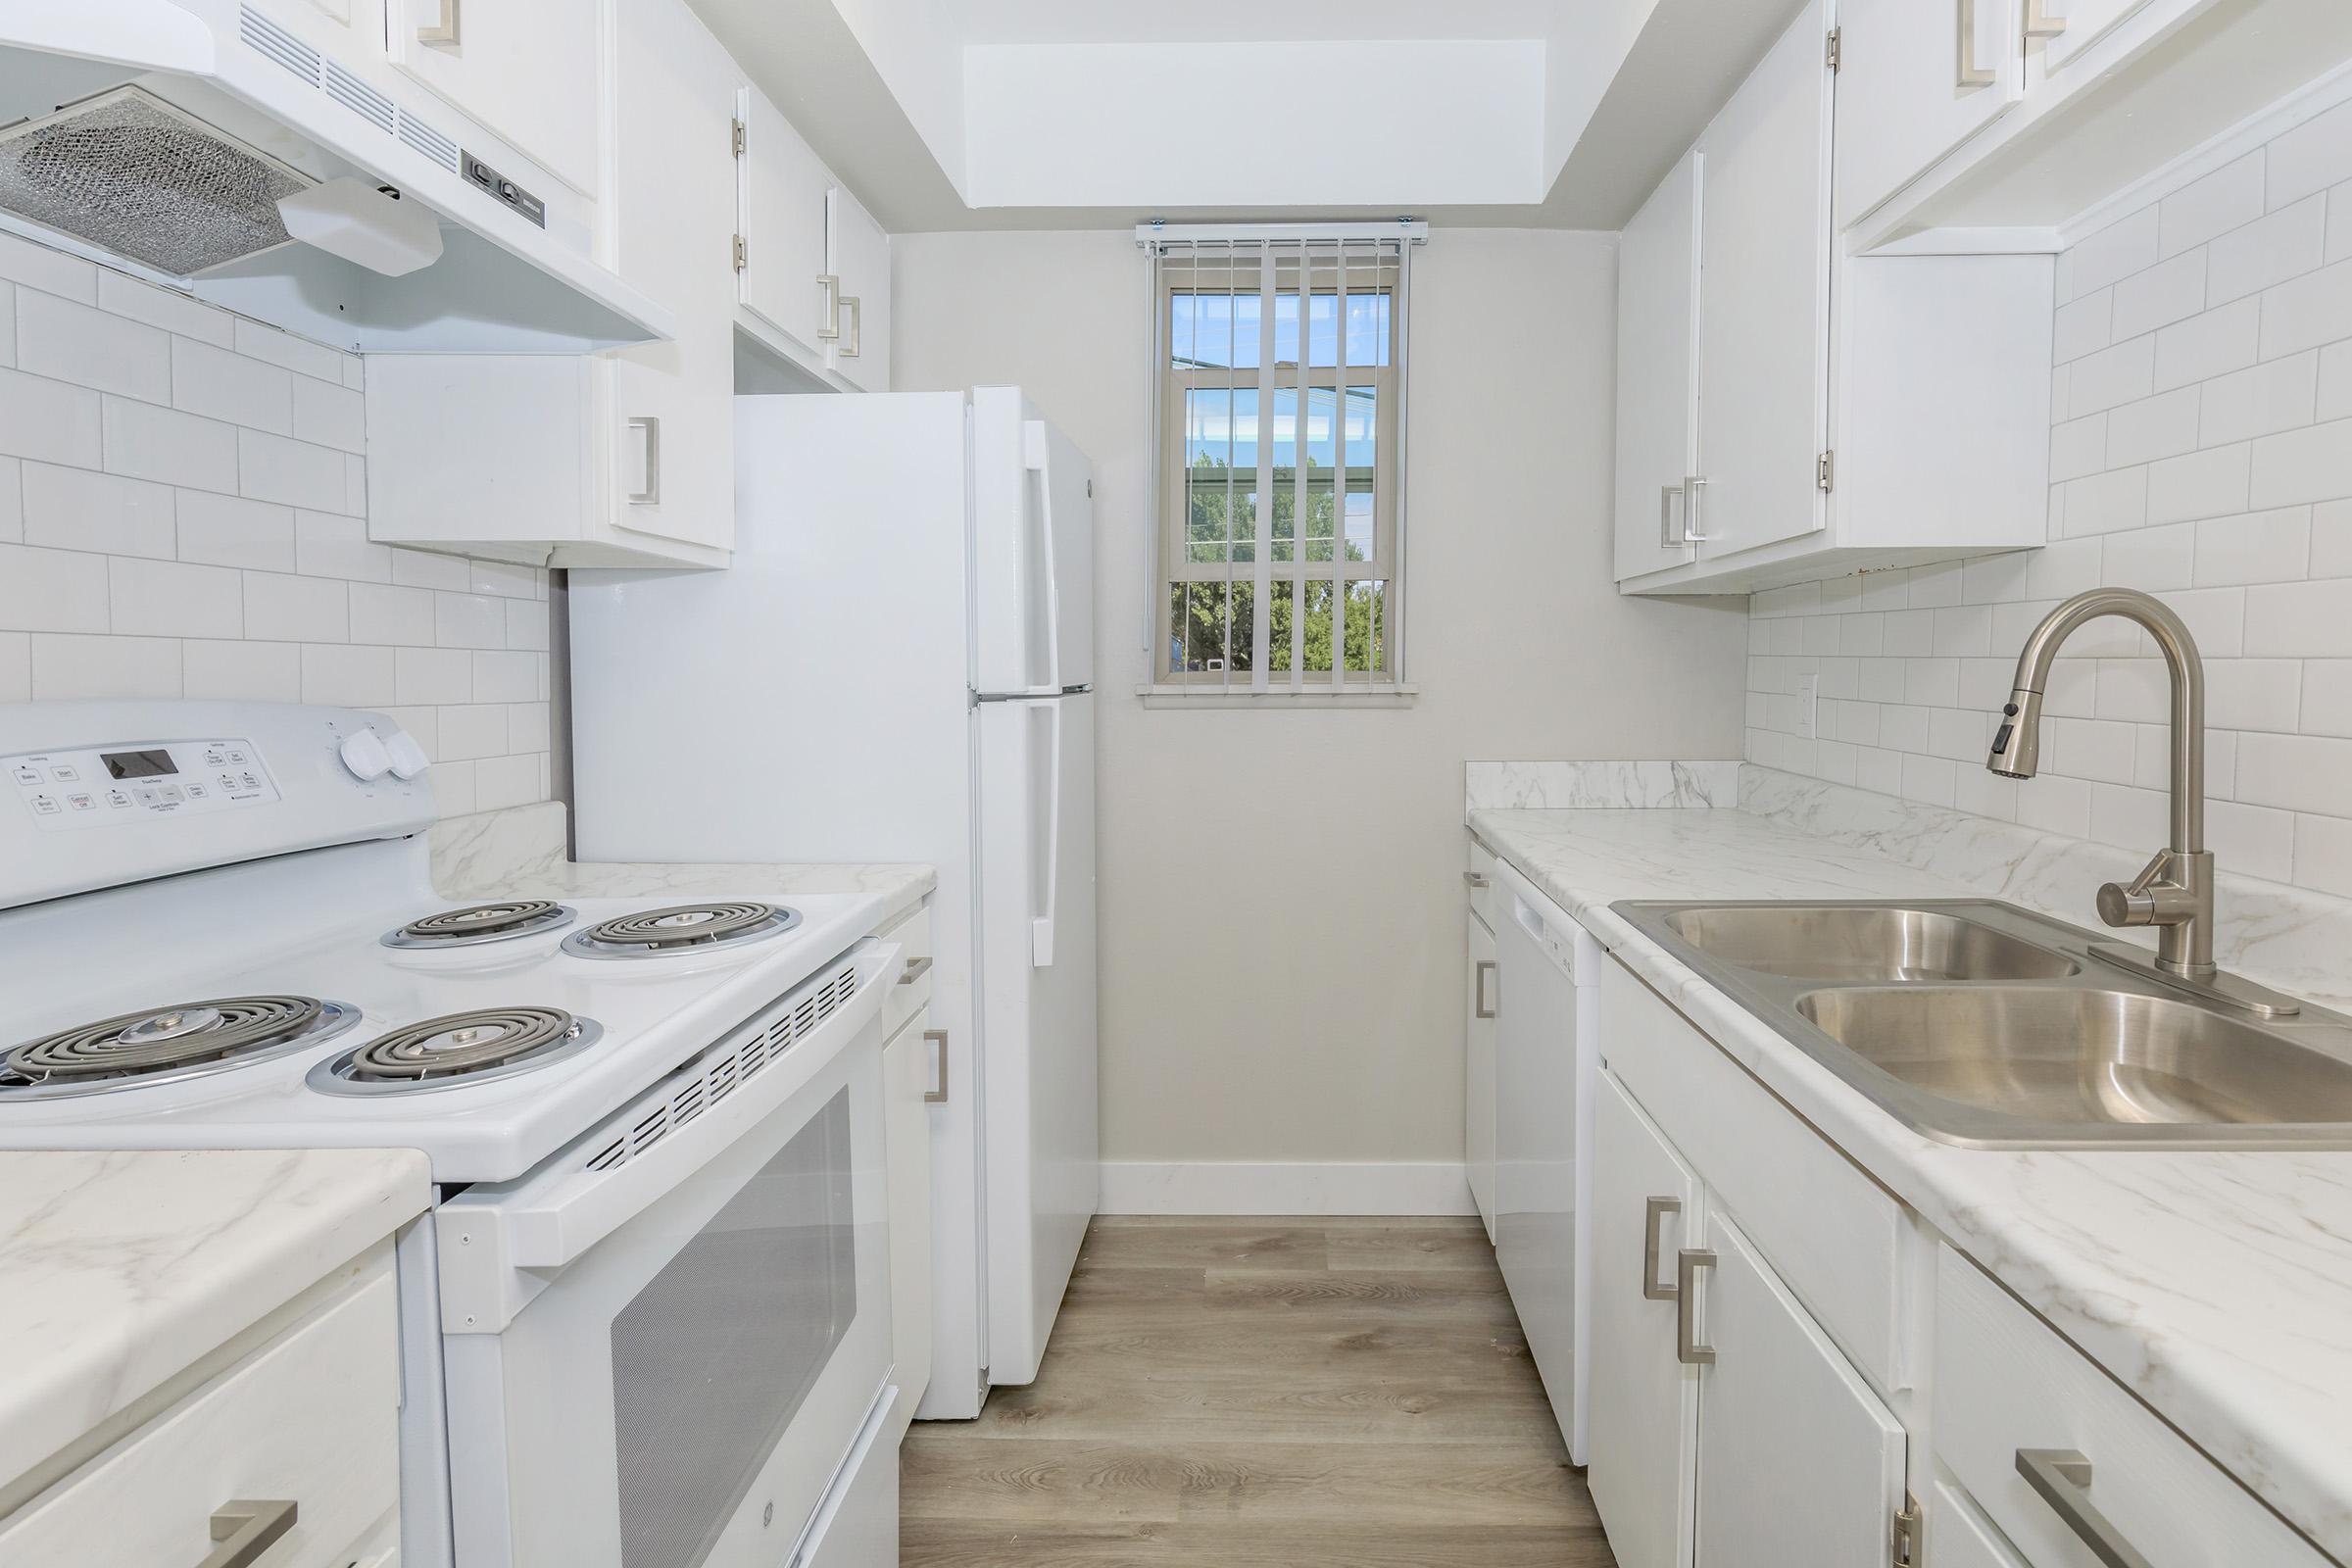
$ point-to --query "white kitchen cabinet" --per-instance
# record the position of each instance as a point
(1959, 1536)
(1764, 333)
(1478, 1079)
(908, 1074)
(311, 1418)
(2068, 27)
(1645, 1399)
(784, 190)
(1798, 1460)
(530, 72)
(858, 257)
(1916, 78)
(1657, 372)
(625, 459)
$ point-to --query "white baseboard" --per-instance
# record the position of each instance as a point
(1433, 1187)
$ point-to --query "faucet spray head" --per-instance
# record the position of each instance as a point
(2017, 744)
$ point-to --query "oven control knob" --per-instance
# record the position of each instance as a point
(364, 755)
(406, 757)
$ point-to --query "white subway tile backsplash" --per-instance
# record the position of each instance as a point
(2084, 327)
(2340, 223)
(2226, 199)
(2122, 374)
(169, 447)
(76, 509)
(231, 531)
(91, 347)
(2211, 483)
(48, 421)
(2264, 399)
(2323, 854)
(2308, 311)
(2207, 345)
(2162, 426)
(2078, 447)
(2300, 619)
(2102, 503)
(2150, 560)
(2284, 245)
(219, 549)
(2168, 292)
(2334, 400)
(473, 730)
(468, 621)
(2115, 252)
(223, 385)
(2312, 156)
(2327, 698)
(2295, 772)
(2314, 464)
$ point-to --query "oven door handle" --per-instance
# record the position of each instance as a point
(547, 1221)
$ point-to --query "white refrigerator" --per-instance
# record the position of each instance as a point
(898, 666)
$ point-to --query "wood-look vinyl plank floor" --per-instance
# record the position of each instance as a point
(1263, 1393)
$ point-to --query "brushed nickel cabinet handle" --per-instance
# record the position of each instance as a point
(1485, 1008)
(1982, 40)
(2045, 19)
(1686, 1264)
(1476, 883)
(938, 1039)
(1673, 527)
(1655, 1210)
(832, 330)
(246, 1529)
(443, 31)
(857, 308)
(1693, 509)
(651, 495)
(2062, 1476)
(915, 969)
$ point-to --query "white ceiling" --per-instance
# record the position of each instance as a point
(1022, 114)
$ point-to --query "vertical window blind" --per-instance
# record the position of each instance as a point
(1279, 428)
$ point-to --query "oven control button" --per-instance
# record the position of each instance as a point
(83, 801)
(29, 775)
(117, 799)
(363, 753)
(46, 805)
(66, 773)
(196, 791)
(212, 757)
(408, 758)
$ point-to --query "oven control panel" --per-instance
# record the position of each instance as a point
(100, 786)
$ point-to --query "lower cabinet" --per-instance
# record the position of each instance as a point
(1727, 1427)
(907, 1069)
(1478, 1085)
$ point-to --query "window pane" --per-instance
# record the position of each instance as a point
(1367, 325)
(1367, 626)
(1278, 626)
(1211, 626)
(1216, 331)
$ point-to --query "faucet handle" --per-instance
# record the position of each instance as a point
(2155, 897)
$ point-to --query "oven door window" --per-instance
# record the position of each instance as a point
(715, 1356)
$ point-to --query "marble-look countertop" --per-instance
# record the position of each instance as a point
(518, 854)
(2216, 1286)
(118, 1271)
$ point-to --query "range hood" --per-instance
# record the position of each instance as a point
(177, 138)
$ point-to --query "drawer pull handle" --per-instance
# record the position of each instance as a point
(938, 1041)
(245, 1530)
(915, 969)
(1482, 1008)
(1686, 1264)
(2063, 1478)
(1655, 1210)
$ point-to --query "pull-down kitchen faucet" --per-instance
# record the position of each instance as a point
(2175, 892)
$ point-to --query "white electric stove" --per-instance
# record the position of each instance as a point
(654, 1128)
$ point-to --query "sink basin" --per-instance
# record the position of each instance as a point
(1862, 943)
(2083, 1056)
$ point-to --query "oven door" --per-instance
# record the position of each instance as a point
(686, 1358)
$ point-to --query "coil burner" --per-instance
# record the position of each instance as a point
(137, 1049)
(481, 922)
(682, 928)
(456, 1049)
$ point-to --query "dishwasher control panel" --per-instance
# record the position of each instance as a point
(102, 786)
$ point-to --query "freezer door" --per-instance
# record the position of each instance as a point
(1037, 892)
(1033, 530)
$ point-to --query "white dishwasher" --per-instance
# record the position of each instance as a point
(1547, 1050)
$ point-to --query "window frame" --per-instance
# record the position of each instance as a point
(1342, 262)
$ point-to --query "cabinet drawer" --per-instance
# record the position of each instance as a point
(2006, 1382)
(1479, 874)
(1959, 1536)
(913, 990)
(1830, 1233)
(312, 1418)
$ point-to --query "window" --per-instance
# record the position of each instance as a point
(1279, 424)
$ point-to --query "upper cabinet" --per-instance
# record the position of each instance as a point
(1788, 412)
(1921, 77)
(814, 267)
(529, 71)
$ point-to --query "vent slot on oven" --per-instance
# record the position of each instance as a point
(720, 1071)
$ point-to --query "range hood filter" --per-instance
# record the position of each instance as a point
(130, 174)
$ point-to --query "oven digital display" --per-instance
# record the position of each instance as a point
(138, 765)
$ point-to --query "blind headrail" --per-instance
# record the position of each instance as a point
(1407, 230)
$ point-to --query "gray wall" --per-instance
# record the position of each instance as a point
(1280, 902)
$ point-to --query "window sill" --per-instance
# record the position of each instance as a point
(1390, 695)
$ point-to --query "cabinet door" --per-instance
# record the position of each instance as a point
(1644, 1400)
(783, 224)
(1916, 78)
(1478, 1085)
(671, 422)
(1657, 372)
(1764, 298)
(858, 252)
(529, 71)
(1798, 1462)
(906, 1066)
(1959, 1536)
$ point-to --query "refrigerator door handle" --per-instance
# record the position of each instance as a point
(1037, 451)
(1041, 927)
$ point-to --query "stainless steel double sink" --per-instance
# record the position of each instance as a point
(1979, 1023)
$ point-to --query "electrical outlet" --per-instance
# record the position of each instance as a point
(1808, 706)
